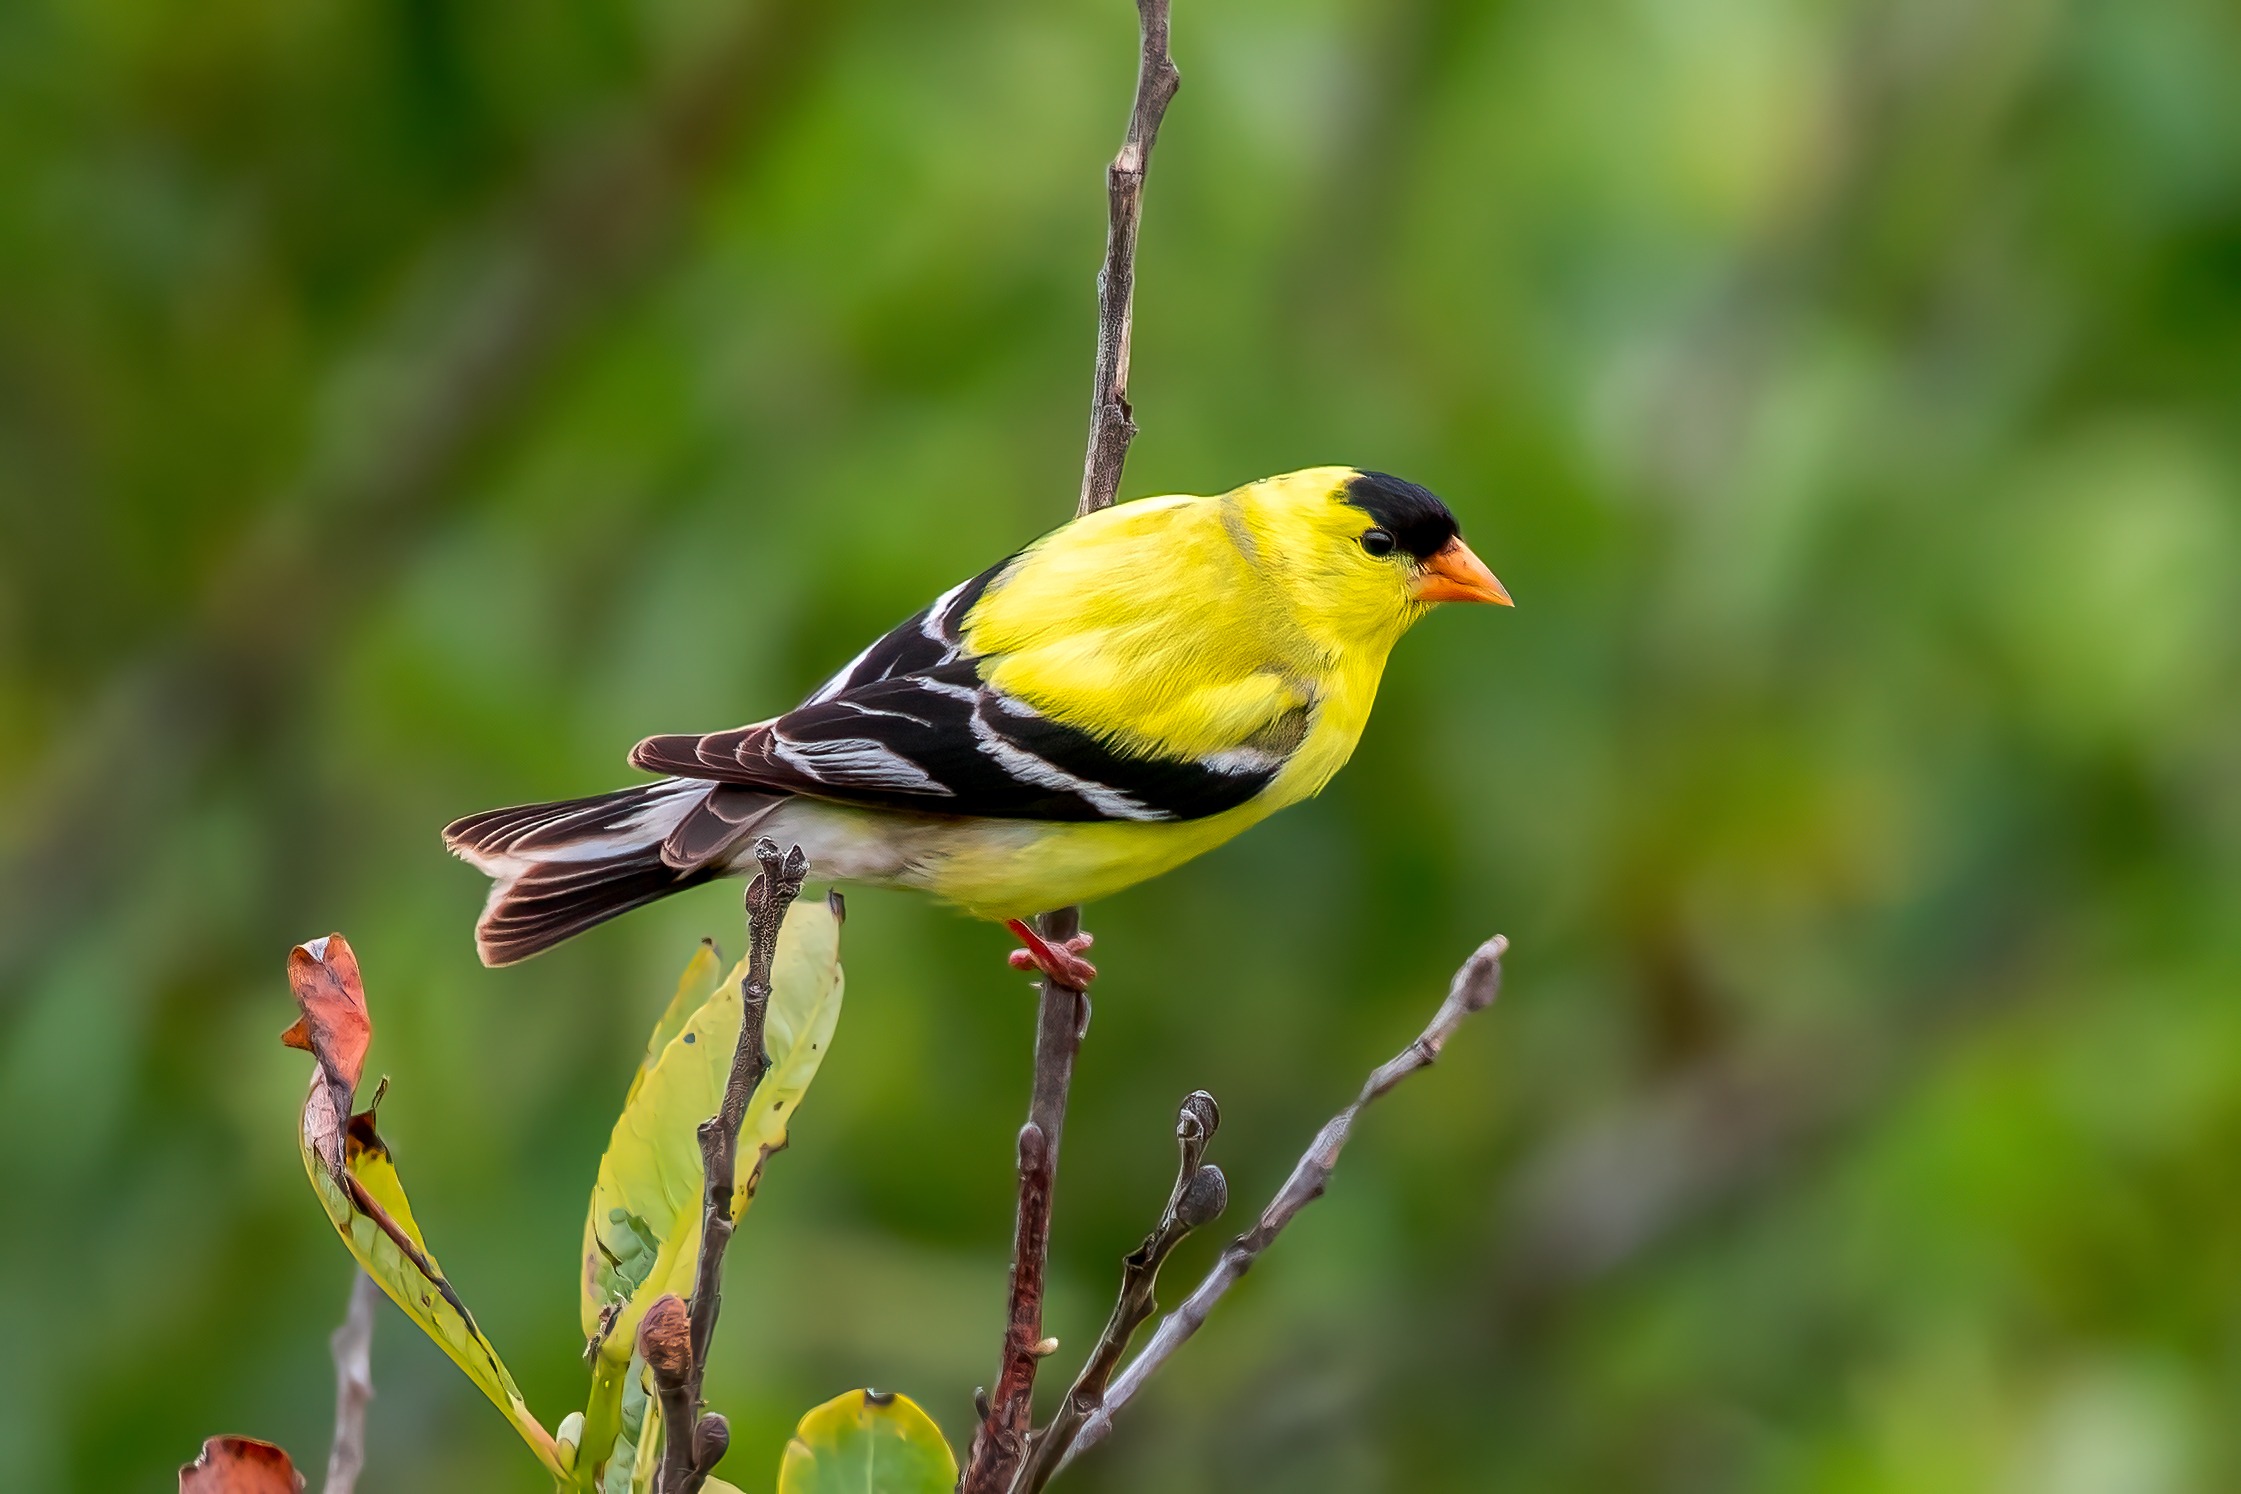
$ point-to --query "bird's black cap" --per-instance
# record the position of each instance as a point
(1414, 516)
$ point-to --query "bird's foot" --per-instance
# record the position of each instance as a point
(1062, 961)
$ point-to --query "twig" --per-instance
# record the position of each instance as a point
(769, 895)
(1474, 988)
(353, 1349)
(691, 1449)
(1063, 1013)
(1197, 1199)
(1062, 1016)
(1111, 423)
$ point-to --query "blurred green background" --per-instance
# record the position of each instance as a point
(406, 405)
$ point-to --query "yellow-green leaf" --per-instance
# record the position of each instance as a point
(642, 1231)
(694, 987)
(867, 1443)
(636, 1451)
(647, 1458)
(356, 1179)
(607, 1419)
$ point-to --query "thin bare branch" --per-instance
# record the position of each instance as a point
(1112, 424)
(353, 1349)
(685, 1447)
(1062, 1019)
(1474, 988)
(769, 895)
(1061, 1022)
(1197, 1199)
(1000, 1441)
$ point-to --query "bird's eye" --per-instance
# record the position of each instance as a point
(1378, 541)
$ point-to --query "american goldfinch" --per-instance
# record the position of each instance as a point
(1127, 692)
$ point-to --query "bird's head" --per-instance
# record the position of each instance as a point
(1364, 553)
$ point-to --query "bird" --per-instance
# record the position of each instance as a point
(1127, 692)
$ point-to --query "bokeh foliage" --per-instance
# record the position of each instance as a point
(1850, 393)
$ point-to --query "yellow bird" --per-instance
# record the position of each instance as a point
(1127, 692)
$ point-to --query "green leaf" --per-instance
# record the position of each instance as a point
(356, 1179)
(867, 1443)
(646, 1455)
(637, 1449)
(642, 1231)
(694, 987)
(606, 1418)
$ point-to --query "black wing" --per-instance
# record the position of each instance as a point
(910, 724)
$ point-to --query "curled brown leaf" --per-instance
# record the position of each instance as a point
(334, 1025)
(240, 1465)
(336, 1029)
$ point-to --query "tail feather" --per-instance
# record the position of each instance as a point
(580, 829)
(558, 869)
(531, 913)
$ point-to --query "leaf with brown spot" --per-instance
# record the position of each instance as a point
(240, 1465)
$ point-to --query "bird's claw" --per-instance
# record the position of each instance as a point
(1061, 961)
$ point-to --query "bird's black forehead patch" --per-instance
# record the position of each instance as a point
(1414, 515)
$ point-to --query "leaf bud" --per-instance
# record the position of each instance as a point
(711, 1440)
(1204, 1197)
(1199, 1115)
(665, 1337)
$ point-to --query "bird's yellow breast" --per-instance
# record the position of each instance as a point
(1160, 627)
(1146, 625)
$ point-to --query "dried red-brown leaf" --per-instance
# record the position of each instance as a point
(334, 1025)
(334, 1028)
(240, 1465)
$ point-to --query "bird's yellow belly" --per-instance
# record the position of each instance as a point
(1014, 870)
(995, 869)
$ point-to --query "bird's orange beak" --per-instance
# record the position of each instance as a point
(1454, 574)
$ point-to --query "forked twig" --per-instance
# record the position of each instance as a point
(1474, 988)
(1197, 1199)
